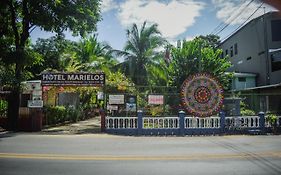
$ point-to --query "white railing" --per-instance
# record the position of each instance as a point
(242, 122)
(121, 122)
(267, 124)
(198, 122)
(160, 122)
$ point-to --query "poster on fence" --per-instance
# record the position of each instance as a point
(156, 99)
(116, 99)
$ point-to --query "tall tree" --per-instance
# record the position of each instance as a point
(140, 51)
(20, 17)
(196, 56)
(93, 54)
(53, 52)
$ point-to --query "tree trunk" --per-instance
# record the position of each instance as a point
(14, 99)
(13, 110)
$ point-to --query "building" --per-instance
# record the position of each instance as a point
(255, 52)
(256, 49)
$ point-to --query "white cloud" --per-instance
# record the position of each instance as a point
(236, 11)
(173, 17)
(107, 5)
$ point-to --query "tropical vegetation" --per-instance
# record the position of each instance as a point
(151, 64)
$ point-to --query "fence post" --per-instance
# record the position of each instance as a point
(262, 122)
(181, 122)
(102, 117)
(140, 115)
(222, 121)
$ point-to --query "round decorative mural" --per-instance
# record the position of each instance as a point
(202, 95)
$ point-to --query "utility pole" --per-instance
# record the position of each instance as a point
(267, 80)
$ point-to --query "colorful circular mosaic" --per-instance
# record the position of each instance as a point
(202, 95)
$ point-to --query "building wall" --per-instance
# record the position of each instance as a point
(275, 76)
(252, 51)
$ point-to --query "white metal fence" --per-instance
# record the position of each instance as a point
(121, 122)
(160, 122)
(242, 122)
(189, 122)
(196, 122)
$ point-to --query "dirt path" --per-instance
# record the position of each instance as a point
(82, 127)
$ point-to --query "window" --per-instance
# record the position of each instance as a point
(231, 51)
(275, 30)
(242, 79)
(226, 52)
(276, 61)
(235, 49)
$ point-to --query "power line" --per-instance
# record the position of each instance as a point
(236, 16)
(244, 21)
(222, 23)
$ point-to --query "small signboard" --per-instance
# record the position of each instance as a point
(116, 99)
(112, 107)
(132, 107)
(35, 103)
(156, 99)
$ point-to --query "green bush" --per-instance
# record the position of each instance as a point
(73, 114)
(272, 119)
(3, 108)
(56, 114)
(247, 112)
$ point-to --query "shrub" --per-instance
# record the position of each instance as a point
(56, 114)
(272, 119)
(247, 112)
(73, 114)
(3, 108)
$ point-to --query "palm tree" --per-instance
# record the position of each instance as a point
(94, 55)
(140, 52)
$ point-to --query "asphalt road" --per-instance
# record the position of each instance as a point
(98, 154)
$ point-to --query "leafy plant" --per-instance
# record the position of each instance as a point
(244, 109)
(272, 119)
(3, 108)
(55, 114)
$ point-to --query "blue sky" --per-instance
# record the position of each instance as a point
(176, 19)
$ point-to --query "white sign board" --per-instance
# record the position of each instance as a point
(35, 103)
(112, 107)
(156, 99)
(116, 99)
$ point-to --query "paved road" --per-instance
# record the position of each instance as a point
(34, 154)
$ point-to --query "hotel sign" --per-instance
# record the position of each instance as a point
(77, 79)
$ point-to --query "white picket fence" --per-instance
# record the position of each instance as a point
(242, 122)
(121, 122)
(189, 122)
(160, 122)
(197, 122)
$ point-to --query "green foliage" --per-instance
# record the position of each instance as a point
(94, 54)
(73, 114)
(3, 108)
(55, 114)
(247, 112)
(61, 114)
(244, 109)
(272, 119)
(195, 56)
(140, 52)
(117, 82)
(156, 110)
(52, 51)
